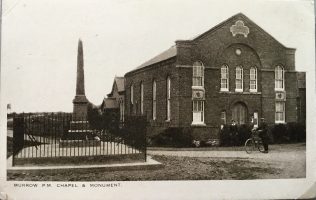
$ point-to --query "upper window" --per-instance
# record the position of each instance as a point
(239, 79)
(198, 74)
(253, 79)
(279, 78)
(224, 78)
(142, 98)
(154, 101)
(168, 97)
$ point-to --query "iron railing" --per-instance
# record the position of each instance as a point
(59, 136)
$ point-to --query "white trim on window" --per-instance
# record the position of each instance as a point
(224, 78)
(255, 119)
(279, 78)
(198, 74)
(239, 79)
(154, 100)
(280, 112)
(253, 80)
(198, 112)
(141, 98)
(168, 98)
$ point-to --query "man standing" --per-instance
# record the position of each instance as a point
(263, 134)
(234, 133)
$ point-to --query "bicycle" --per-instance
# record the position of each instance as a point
(253, 143)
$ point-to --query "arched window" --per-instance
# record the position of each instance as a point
(239, 79)
(224, 78)
(154, 100)
(223, 117)
(141, 98)
(132, 94)
(279, 78)
(253, 79)
(131, 110)
(198, 74)
(121, 103)
(168, 97)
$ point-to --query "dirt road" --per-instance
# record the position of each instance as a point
(288, 159)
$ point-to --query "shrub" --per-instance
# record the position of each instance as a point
(173, 137)
(278, 133)
(288, 133)
(134, 131)
(229, 138)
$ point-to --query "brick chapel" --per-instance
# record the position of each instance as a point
(234, 71)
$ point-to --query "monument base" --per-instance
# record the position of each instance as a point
(79, 143)
(79, 133)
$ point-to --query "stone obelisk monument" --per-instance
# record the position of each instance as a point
(79, 126)
(80, 101)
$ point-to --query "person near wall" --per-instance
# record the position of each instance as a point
(263, 134)
(234, 133)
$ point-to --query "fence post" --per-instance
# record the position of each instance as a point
(18, 136)
(145, 140)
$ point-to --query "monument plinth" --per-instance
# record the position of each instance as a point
(79, 126)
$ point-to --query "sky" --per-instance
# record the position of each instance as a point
(40, 38)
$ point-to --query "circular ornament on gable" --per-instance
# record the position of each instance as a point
(238, 52)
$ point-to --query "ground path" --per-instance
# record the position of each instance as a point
(290, 159)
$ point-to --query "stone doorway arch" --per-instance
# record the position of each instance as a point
(240, 113)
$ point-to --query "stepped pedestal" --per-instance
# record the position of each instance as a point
(79, 132)
(79, 135)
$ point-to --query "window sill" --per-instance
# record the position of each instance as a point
(198, 87)
(279, 122)
(253, 91)
(198, 124)
(239, 90)
(224, 90)
(279, 90)
(257, 93)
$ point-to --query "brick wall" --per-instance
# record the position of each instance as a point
(215, 48)
(159, 73)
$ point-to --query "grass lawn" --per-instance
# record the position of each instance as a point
(175, 168)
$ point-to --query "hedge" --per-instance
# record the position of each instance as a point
(278, 133)
(173, 137)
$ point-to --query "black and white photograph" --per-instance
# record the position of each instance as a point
(162, 99)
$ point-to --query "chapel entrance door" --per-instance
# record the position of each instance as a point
(239, 113)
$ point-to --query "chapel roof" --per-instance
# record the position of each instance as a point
(169, 53)
(172, 51)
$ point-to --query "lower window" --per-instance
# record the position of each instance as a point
(198, 112)
(280, 112)
(255, 120)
